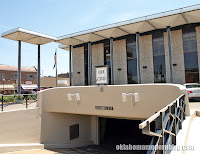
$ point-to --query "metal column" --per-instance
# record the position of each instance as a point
(70, 65)
(138, 57)
(170, 54)
(111, 61)
(38, 71)
(19, 68)
(89, 64)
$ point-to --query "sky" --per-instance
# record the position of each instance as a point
(61, 17)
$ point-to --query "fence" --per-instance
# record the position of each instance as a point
(24, 99)
(165, 125)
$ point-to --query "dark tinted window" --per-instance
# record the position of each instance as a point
(190, 54)
(131, 59)
(107, 57)
(159, 57)
(86, 63)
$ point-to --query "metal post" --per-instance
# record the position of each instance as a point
(56, 69)
(70, 65)
(111, 61)
(170, 54)
(19, 68)
(26, 102)
(2, 103)
(138, 56)
(89, 64)
(38, 71)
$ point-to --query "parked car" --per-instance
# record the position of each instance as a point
(193, 90)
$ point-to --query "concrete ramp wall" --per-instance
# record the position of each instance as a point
(20, 126)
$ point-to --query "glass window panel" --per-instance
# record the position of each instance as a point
(34, 76)
(12, 76)
(190, 54)
(0, 76)
(159, 57)
(15, 76)
(3, 76)
(27, 76)
(86, 63)
(107, 57)
(31, 76)
(131, 59)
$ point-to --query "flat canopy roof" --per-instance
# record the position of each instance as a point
(162, 20)
(64, 47)
(28, 36)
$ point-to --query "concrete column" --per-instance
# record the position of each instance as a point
(166, 58)
(38, 71)
(97, 59)
(19, 68)
(89, 64)
(146, 59)
(78, 66)
(111, 61)
(198, 46)
(70, 65)
(120, 62)
(178, 57)
(170, 54)
(138, 56)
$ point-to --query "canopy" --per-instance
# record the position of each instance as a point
(20, 34)
(162, 20)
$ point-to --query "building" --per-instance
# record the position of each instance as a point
(50, 82)
(160, 48)
(8, 78)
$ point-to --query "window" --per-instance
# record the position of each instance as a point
(131, 59)
(12, 76)
(27, 77)
(3, 76)
(31, 76)
(190, 54)
(107, 57)
(15, 76)
(86, 63)
(159, 57)
(34, 76)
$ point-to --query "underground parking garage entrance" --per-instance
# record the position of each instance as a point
(113, 131)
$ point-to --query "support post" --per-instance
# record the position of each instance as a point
(70, 65)
(19, 68)
(2, 103)
(170, 54)
(111, 61)
(138, 56)
(89, 64)
(38, 71)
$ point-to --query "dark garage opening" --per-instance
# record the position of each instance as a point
(121, 131)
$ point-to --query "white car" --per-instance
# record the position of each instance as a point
(193, 90)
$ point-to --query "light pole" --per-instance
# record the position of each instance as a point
(3, 85)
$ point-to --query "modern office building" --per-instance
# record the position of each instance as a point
(160, 48)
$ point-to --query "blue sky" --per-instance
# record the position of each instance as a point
(61, 17)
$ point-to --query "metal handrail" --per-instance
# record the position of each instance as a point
(168, 121)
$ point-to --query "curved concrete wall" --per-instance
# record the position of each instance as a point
(152, 98)
(20, 126)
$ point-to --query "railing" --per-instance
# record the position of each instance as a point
(11, 100)
(164, 125)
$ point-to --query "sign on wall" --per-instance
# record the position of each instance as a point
(102, 74)
(28, 82)
(62, 81)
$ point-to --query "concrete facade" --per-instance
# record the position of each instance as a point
(120, 62)
(146, 59)
(178, 57)
(78, 76)
(97, 59)
(167, 67)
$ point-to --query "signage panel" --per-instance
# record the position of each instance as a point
(102, 74)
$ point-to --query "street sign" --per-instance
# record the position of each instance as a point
(102, 74)
(28, 82)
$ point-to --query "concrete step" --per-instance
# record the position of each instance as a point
(5, 148)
